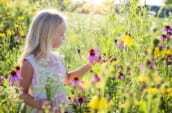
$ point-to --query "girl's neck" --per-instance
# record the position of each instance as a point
(42, 55)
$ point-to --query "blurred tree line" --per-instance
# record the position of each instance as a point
(169, 2)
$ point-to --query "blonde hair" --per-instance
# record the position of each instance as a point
(41, 31)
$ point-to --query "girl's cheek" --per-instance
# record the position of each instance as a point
(55, 43)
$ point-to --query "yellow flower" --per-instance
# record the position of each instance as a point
(128, 40)
(157, 79)
(169, 90)
(98, 103)
(157, 52)
(166, 91)
(163, 91)
(151, 90)
(4, 1)
(143, 79)
(167, 52)
(2, 35)
(162, 53)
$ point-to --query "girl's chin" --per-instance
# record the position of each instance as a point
(56, 46)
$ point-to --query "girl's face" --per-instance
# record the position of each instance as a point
(59, 37)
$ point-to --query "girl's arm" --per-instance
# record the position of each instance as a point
(25, 82)
(79, 72)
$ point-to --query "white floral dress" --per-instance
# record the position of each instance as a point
(48, 80)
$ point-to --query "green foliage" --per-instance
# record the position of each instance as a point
(133, 93)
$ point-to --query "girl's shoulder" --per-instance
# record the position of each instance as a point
(26, 68)
(30, 59)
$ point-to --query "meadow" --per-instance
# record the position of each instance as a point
(135, 47)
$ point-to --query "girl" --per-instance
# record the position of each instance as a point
(42, 70)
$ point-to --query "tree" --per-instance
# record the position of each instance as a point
(168, 2)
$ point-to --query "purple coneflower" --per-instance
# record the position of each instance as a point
(14, 78)
(18, 71)
(79, 100)
(150, 64)
(94, 55)
(121, 76)
(164, 37)
(77, 83)
(168, 29)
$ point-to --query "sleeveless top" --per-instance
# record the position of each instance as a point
(48, 80)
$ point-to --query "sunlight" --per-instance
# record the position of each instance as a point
(95, 2)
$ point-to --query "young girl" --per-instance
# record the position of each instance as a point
(43, 70)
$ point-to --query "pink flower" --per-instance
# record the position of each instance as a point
(18, 71)
(121, 76)
(95, 79)
(77, 83)
(79, 100)
(164, 37)
(94, 55)
(120, 45)
(14, 78)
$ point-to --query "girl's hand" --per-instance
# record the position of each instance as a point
(46, 106)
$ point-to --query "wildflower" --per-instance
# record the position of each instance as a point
(169, 91)
(168, 30)
(157, 52)
(127, 40)
(167, 52)
(143, 79)
(121, 76)
(79, 100)
(164, 37)
(2, 35)
(120, 44)
(98, 103)
(150, 64)
(18, 71)
(163, 91)
(14, 78)
(95, 79)
(152, 90)
(94, 55)
(166, 91)
(77, 83)
(169, 33)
